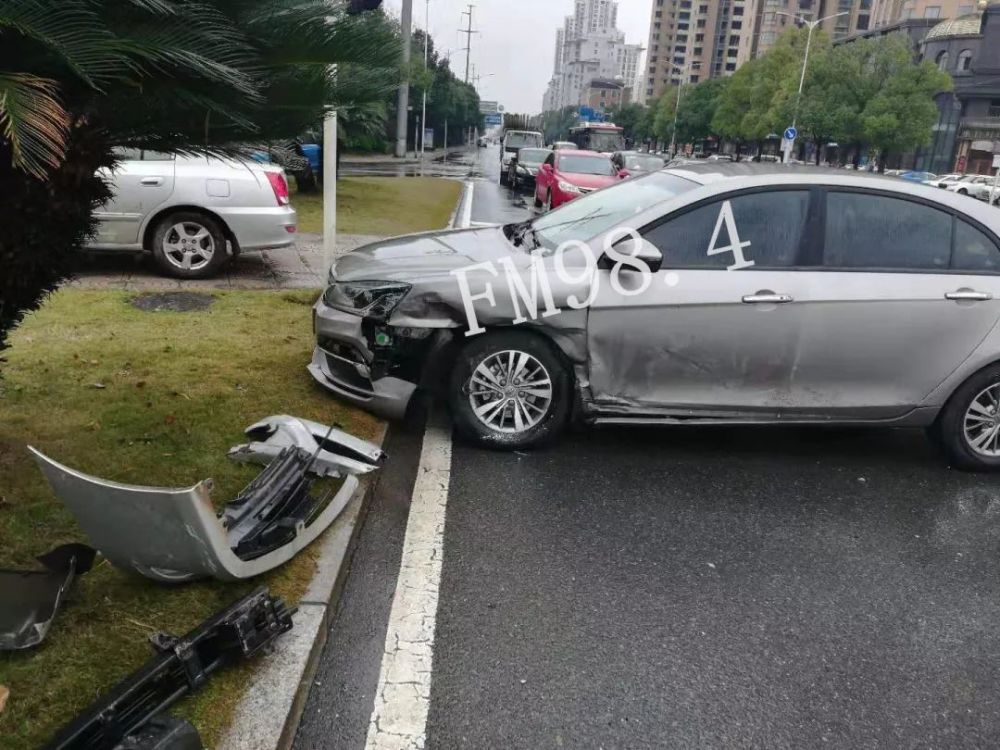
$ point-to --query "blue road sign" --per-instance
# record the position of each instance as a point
(493, 119)
(791, 134)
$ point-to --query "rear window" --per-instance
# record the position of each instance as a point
(877, 231)
(974, 250)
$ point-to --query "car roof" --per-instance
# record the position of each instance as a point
(719, 177)
(578, 152)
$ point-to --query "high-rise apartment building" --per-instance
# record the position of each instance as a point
(590, 47)
(693, 40)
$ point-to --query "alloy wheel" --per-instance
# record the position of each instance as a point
(510, 391)
(189, 246)
(982, 422)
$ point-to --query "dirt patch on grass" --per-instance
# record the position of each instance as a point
(173, 301)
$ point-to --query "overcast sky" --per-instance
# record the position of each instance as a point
(516, 45)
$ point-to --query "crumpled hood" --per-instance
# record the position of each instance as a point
(413, 256)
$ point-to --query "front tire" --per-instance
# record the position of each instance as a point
(509, 391)
(189, 245)
(968, 428)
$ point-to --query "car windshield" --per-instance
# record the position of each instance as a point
(596, 165)
(521, 140)
(604, 141)
(533, 155)
(643, 162)
(593, 214)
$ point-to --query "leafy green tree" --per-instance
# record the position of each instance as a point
(557, 123)
(78, 77)
(632, 119)
(698, 106)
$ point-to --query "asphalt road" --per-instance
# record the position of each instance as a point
(687, 587)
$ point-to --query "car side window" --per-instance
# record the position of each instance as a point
(974, 250)
(876, 231)
(767, 225)
(551, 160)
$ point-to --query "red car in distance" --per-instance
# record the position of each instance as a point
(566, 175)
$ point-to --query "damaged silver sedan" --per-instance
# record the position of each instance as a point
(715, 293)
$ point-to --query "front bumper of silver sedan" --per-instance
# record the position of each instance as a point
(344, 363)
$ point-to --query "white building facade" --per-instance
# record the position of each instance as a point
(590, 46)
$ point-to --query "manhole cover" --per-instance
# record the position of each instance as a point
(173, 301)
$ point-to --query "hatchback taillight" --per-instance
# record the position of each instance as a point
(280, 187)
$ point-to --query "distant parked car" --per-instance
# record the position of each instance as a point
(980, 187)
(917, 176)
(192, 212)
(721, 157)
(637, 162)
(943, 181)
(566, 175)
(524, 167)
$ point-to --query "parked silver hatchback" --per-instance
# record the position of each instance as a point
(193, 213)
(748, 294)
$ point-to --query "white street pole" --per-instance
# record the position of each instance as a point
(805, 64)
(423, 115)
(403, 98)
(673, 135)
(330, 189)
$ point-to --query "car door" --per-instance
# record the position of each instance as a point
(140, 182)
(890, 315)
(544, 179)
(717, 330)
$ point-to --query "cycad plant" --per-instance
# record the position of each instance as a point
(79, 77)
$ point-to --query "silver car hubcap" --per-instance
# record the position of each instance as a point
(982, 422)
(189, 246)
(510, 391)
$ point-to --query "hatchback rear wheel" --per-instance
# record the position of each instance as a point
(509, 390)
(189, 245)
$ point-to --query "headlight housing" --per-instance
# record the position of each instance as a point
(568, 187)
(369, 299)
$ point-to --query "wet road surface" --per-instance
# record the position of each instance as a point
(685, 588)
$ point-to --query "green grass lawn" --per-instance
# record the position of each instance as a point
(383, 206)
(147, 398)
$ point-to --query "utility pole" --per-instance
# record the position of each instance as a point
(468, 40)
(423, 114)
(403, 100)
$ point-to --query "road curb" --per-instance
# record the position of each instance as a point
(466, 186)
(268, 715)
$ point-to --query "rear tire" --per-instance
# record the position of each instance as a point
(509, 391)
(189, 245)
(968, 428)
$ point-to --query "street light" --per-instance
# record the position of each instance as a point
(423, 115)
(683, 71)
(805, 60)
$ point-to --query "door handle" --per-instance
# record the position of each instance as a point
(969, 295)
(769, 298)
(151, 181)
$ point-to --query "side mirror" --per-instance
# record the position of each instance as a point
(647, 252)
(546, 168)
(624, 174)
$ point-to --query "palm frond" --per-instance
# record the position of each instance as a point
(33, 121)
(72, 29)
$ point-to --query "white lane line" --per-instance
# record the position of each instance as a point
(402, 698)
(466, 219)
